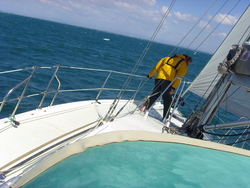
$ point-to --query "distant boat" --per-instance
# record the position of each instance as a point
(34, 141)
(106, 39)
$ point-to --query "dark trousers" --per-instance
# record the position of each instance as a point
(160, 86)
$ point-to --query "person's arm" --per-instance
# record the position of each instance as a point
(181, 72)
(155, 69)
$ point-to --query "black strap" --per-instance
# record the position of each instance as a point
(177, 64)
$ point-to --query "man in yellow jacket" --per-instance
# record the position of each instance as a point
(167, 69)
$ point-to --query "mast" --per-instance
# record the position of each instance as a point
(196, 121)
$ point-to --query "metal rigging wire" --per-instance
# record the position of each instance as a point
(115, 102)
(192, 29)
(147, 47)
(199, 101)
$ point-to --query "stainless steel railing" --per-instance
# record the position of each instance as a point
(25, 83)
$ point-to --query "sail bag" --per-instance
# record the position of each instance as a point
(237, 60)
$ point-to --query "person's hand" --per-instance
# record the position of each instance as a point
(171, 92)
(148, 77)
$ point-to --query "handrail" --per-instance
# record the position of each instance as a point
(177, 99)
(56, 92)
(23, 92)
(47, 89)
(14, 88)
(58, 89)
(103, 86)
(9, 92)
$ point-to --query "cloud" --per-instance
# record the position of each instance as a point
(225, 19)
(184, 17)
(75, 5)
(222, 35)
(139, 3)
(164, 9)
(59, 5)
(53, 3)
(175, 22)
(203, 24)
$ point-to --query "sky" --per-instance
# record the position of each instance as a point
(191, 24)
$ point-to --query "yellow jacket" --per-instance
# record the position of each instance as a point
(166, 69)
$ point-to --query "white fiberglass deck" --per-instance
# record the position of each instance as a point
(42, 128)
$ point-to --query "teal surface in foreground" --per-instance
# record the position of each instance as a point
(147, 164)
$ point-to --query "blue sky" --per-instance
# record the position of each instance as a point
(139, 18)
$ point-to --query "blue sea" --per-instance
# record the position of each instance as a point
(27, 42)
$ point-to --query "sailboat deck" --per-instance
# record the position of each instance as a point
(41, 129)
